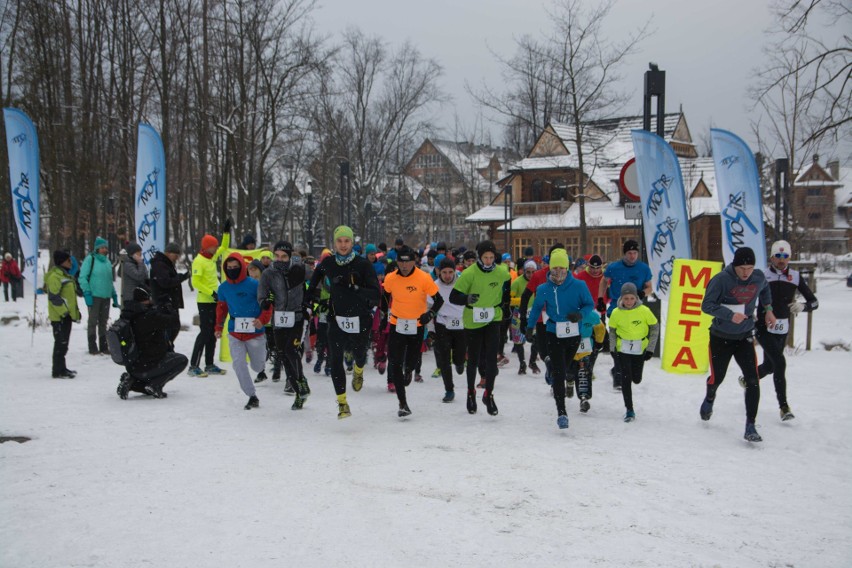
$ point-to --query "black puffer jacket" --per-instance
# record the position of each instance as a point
(150, 327)
(286, 285)
(166, 282)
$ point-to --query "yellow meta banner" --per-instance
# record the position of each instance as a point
(248, 256)
(688, 328)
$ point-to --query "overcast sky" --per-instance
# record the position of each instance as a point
(708, 49)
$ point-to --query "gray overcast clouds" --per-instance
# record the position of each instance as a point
(709, 50)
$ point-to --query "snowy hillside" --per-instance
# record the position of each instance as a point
(196, 481)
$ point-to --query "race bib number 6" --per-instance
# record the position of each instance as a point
(349, 325)
(567, 329)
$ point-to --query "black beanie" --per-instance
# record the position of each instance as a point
(283, 245)
(529, 252)
(60, 256)
(485, 246)
(744, 256)
(405, 254)
(446, 262)
(630, 244)
(132, 248)
(141, 294)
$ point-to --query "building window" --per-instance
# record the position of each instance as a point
(814, 192)
(537, 190)
(429, 161)
(572, 245)
(814, 216)
(520, 245)
(601, 247)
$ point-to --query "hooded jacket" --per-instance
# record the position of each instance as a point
(286, 286)
(726, 293)
(571, 296)
(166, 282)
(96, 276)
(61, 295)
(148, 323)
(133, 274)
(204, 276)
(633, 323)
(353, 287)
(238, 299)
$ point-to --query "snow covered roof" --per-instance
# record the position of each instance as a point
(843, 198)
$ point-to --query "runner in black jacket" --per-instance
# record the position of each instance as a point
(354, 292)
(784, 282)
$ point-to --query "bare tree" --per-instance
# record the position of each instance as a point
(570, 75)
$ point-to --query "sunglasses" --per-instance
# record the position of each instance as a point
(781, 255)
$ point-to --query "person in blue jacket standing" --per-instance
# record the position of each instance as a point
(566, 301)
(96, 281)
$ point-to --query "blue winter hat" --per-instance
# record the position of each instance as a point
(371, 249)
(100, 242)
(439, 258)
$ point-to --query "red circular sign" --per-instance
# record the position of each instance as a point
(629, 181)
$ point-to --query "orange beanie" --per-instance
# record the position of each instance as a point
(208, 241)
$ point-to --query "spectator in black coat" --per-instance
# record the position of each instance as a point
(156, 363)
(166, 282)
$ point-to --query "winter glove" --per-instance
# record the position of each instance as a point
(530, 335)
(472, 299)
(115, 303)
(641, 294)
(265, 304)
(574, 317)
(601, 307)
(87, 297)
(523, 322)
(598, 347)
(184, 276)
(215, 297)
(647, 356)
(425, 318)
(796, 308)
(226, 227)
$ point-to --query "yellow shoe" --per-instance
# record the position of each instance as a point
(342, 407)
(358, 378)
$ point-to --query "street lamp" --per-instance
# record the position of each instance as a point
(309, 232)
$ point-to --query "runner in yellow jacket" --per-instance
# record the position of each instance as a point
(205, 279)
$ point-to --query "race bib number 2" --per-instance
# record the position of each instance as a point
(349, 325)
(406, 326)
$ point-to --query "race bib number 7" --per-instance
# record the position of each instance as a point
(631, 346)
(349, 325)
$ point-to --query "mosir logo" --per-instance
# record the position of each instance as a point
(659, 194)
(148, 226)
(150, 188)
(664, 237)
(729, 161)
(737, 221)
(664, 277)
(24, 206)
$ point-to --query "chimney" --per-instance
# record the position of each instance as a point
(816, 158)
(834, 169)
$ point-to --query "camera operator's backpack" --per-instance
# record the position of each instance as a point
(122, 344)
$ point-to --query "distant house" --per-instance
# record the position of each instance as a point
(544, 209)
(821, 208)
(452, 180)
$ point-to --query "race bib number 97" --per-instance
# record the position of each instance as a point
(285, 319)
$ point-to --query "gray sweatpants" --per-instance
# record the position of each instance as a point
(256, 349)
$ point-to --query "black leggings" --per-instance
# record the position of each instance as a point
(742, 350)
(403, 351)
(61, 337)
(482, 340)
(631, 367)
(561, 352)
(774, 361)
(288, 340)
(450, 348)
(206, 341)
(339, 341)
(171, 365)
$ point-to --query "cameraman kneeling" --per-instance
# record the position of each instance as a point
(156, 363)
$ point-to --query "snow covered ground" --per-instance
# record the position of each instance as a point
(196, 481)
